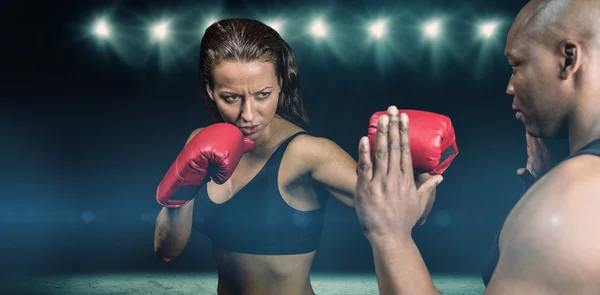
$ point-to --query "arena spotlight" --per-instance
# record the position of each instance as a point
(318, 29)
(377, 29)
(209, 22)
(277, 25)
(160, 30)
(101, 29)
(432, 29)
(487, 29)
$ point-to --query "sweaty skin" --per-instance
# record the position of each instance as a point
(548, 244)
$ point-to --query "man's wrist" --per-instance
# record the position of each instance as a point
(390, 242)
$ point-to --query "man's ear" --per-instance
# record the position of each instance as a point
(570, 58)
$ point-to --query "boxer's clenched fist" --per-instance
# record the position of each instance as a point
(213, 153)
(388, 203)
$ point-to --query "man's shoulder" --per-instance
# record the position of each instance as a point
(548, 242)
(575, 176)
(560, 206)
(550, 236)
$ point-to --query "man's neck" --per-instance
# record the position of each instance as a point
(584, 128)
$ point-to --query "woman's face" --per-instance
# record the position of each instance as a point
(246, 94)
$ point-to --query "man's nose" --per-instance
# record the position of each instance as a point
(510, 89)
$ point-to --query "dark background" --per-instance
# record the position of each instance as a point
(88, 127)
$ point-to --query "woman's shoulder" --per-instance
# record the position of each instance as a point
(305, 145)
(194, 133)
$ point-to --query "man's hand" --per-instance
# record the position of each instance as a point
(420, 180)
(388, 202)
(538, 161)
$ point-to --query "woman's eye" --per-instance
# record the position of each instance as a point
(231, 98)
(264, 95)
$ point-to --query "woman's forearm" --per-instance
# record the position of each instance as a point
(172, 231)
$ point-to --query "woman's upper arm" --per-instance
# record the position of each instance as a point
(331, 166)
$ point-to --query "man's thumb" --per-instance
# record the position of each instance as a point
(431, 184)
(528, 178)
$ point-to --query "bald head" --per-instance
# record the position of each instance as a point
(553, 47)
(551, 21)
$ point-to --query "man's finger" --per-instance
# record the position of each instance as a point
(394, 142)
(542, 147)
(365, 166)
(528, 178)
(428, 186)
(426, 190)
(406, 156)
(531, 142)
(381, 148)
(431, 183)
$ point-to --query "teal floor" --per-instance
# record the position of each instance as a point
(180, 284)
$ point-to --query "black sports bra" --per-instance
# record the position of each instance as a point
(257, 220)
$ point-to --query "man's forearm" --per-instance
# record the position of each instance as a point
(400, 268)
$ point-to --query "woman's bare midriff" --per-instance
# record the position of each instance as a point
(248, 274)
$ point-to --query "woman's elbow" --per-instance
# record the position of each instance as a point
(172, 232)
(166, 255)
(168, 245)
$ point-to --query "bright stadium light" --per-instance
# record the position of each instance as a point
(101, 29)
(209, 22)
(277, 25)
(161, 30)
(432, 29)
(487, 29)
(377, 29)
(318, 29)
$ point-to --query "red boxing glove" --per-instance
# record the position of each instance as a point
(432, 140)
(213, 153)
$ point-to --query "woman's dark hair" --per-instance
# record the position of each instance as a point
(246, 40)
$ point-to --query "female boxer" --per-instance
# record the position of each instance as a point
(263, 180)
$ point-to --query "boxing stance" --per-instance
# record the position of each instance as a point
(548, 243)
(261, 179)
